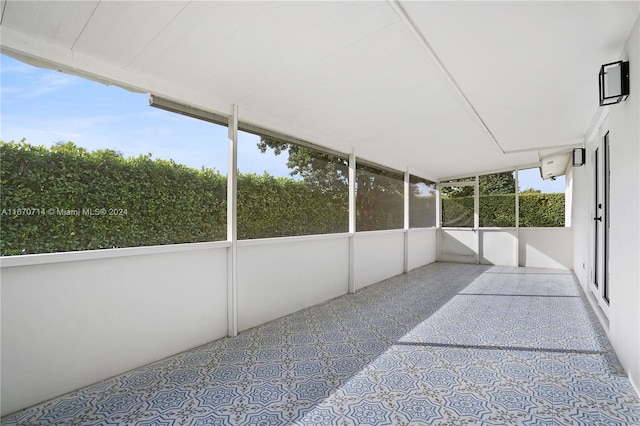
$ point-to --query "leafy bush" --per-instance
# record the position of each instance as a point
(536, 210)
(541, 210)
(65, 198)
(276, 207)
(53, 200)
(457, 211)
(498, 210)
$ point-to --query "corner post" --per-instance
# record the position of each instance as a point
(407, 188)
(232, 226)
(352, 222)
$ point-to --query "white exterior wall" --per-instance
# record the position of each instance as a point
(498, 247)
(546, 247)
(378, 255)
(623, 322)
(279, 276)
(537, 247)
(581, 219)
(69, 323)
(457, 245)
(625, 219)
(422, 247)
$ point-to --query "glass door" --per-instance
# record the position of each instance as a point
(601, 222)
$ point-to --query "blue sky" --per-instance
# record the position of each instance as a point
(46, 106)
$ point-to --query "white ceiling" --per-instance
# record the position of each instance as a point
(441, 88)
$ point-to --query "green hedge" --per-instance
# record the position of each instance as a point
(146, 202)
(66, 199)
(536, 210)
(277, 207)
(457, 211)
(542, 210)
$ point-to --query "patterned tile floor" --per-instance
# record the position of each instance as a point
(443, 345)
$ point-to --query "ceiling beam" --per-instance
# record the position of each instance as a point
(400, 11)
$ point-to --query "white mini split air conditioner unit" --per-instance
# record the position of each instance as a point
(554, 165)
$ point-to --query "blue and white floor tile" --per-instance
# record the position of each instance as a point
(443, 345)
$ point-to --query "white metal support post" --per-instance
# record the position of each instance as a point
(352, 222)
(517, 218)
(476, 217)
(232, 226)
(407, 187)
(438, 220)
(438, 206)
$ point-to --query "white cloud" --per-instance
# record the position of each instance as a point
(48, 83)
(42, 84)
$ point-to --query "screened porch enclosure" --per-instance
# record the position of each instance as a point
(406, 227)
(444, 344)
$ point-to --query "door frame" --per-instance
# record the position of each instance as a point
(600, 219)
(475, 229)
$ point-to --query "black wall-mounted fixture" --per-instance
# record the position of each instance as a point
(614, 82)
(578, 157)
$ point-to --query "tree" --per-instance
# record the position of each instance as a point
(496, 183)
(326, 171)
(379, 192)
